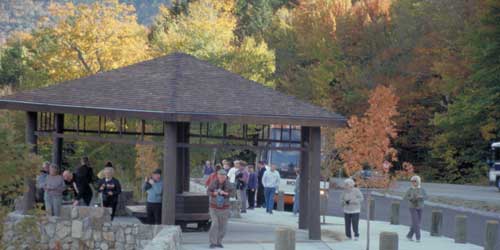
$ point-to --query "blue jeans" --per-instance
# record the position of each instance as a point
(296, 200)
(269, 196)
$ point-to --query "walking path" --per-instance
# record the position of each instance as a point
(256, 231)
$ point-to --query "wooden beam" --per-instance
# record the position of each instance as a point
(304, 179)
(234, 138)
(176, 117)
(98, 138)
(142, 142)
(28, 200)
(170, 176)
(313, 210)
(57, 144)
(230, 146)
(183, 157)
(31, 126)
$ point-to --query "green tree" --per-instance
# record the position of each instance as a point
(207, 31)
(16, 65)
(472, 120)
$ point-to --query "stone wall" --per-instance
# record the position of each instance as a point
(90, 228)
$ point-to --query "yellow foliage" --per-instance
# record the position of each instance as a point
(82, 39)
(206, 31)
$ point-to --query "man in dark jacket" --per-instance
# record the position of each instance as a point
(261, 168)
(84, 178)
(251, 187)
(79, 183)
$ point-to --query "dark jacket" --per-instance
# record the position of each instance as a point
(261, 174)
(252, 181)
(84, 177)
(215, 186)
(112, 185)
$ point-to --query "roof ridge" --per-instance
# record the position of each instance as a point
(260, 85)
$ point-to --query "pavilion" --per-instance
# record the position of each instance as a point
(177, 90)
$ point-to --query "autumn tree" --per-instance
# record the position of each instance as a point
(367, 139)
(81, 40)
(207, 31)
(472, 120)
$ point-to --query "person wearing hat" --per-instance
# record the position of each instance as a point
(153, 186)
(219, 191)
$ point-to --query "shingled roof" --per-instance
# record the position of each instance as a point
(176, 87)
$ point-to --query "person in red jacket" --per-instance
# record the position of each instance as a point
(213, 176)
(219, 191)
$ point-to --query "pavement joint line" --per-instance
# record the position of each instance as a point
(439, 205)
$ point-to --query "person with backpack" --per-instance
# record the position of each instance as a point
(219, 192)
(241, 184)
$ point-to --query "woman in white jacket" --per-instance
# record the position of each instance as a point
(351, 199)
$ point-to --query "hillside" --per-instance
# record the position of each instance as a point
(22, 15)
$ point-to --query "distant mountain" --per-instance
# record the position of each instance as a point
(22, 15)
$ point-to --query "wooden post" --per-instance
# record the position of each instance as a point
(372, 209)
(314, 180)
(491, 239)
(395, 213)
(169, 173)
(285, 239)
(28, 199)
(183, 158)
(461, 229)
(436, 222)
(57, 144)
(304, 179)
(388, 241)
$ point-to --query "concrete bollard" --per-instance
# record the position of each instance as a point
(280, 206)
(235, 208)
(436, 222)
(491, 239)
(461, 229)
(388, 241)
(372, 209)
(395, 213)
(285, 239)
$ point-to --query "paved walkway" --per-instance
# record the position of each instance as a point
(256, 231)
(244, 235)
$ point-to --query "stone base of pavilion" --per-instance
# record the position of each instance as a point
(87, 228)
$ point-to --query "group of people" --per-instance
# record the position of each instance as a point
(352, 198)
(252, 187)
(78, 185)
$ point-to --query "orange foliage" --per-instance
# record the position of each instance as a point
(368, 139)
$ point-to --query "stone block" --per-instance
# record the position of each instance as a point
(395, 213)
(491, 240)
(76, 229)
(388, 241)
(285, 239)
(280, 206)
(461, 229)
(108, 236)
(436, 222)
